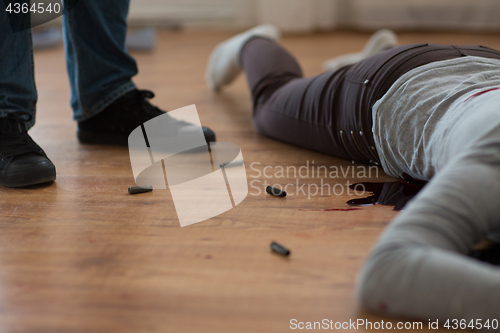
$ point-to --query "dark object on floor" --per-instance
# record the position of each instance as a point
(140, 189)
(114, 124)
(395, 194)
(275, 191)
(22, 161)
(232, 164)
(490, 255)
(47, 38)
(280, 249)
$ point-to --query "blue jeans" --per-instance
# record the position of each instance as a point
(99, 68)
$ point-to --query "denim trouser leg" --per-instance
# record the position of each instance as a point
(99, 68)
(17, 78)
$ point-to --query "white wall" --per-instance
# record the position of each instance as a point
(309, 15)
(224, 13)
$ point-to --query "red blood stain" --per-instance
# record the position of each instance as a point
(396, 194)
(382, 307)
(481, 92)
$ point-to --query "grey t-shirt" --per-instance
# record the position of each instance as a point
(412, 120)
(434, 122)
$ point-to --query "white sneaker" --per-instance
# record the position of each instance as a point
(223, 65)
(380, 41)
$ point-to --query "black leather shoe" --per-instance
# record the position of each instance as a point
(22, 161)
(114, 124)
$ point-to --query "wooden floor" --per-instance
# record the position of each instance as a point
(81, 255)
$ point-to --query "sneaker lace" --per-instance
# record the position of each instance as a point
(143, 96)
(14, 138)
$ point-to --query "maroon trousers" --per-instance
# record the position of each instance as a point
(331, 112)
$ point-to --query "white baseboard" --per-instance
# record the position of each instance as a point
(310, 15)
(182, 15)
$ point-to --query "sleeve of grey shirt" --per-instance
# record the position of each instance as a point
(419, 266)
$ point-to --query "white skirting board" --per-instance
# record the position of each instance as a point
(423, 14)
(310, 15)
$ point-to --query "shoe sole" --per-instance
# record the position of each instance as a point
(264, 31)
(213, 60)
(381, 40)
(27, 177)
(94, 138)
